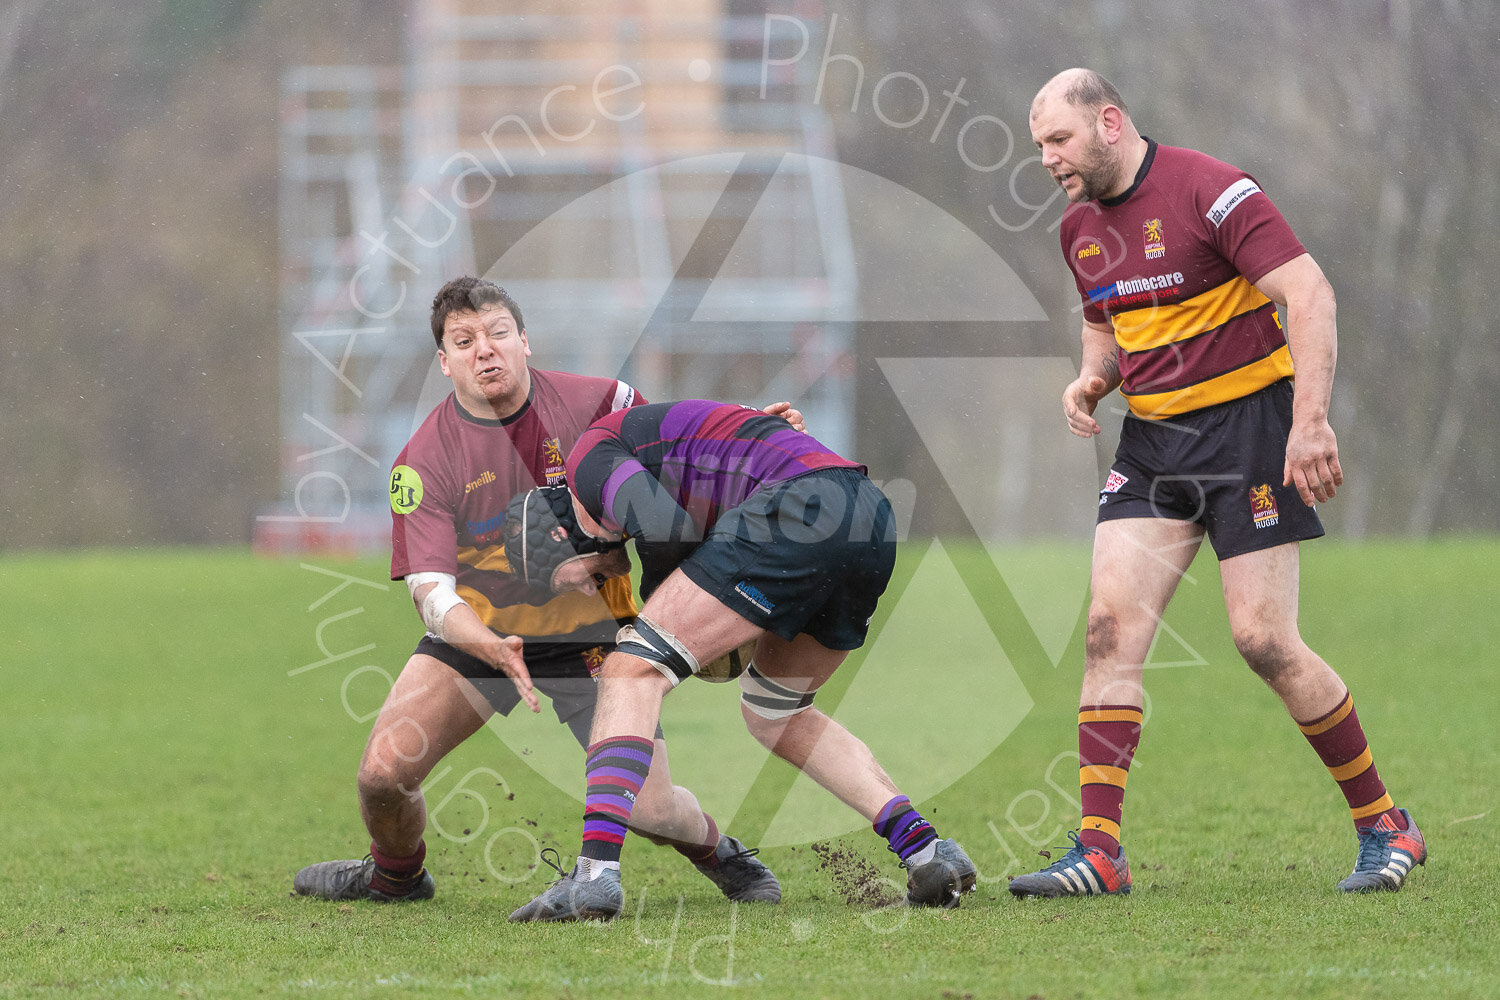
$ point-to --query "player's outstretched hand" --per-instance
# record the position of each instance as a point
(513, 665)
(1079, 400)
(1312, 462)
(789, 413)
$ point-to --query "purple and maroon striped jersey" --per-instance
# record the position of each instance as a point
(707, 456)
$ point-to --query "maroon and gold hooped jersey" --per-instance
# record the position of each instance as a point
(1171, 266)
(450, 487)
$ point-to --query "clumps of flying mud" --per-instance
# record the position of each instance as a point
(855, 878)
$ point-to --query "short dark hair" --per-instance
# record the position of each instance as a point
(469, 294)
(1091, 92)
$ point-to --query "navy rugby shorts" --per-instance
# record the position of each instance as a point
(810, 555)
(1219, 467)
(561, 671)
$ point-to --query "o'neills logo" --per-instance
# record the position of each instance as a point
(1263, 506)
(484, 479)
(1092, 250)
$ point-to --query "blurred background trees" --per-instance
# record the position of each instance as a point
(139, 258)
(138, 176)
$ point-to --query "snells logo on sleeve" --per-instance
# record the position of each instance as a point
(406, 489)
(1230, 199)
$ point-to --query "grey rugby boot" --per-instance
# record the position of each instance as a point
(567, 898)
(341, 880)
(943, 880)
(740, 875)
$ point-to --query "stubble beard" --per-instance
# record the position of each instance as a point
(1097, 174)
(497, 398)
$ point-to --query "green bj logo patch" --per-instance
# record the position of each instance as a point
(406, 489)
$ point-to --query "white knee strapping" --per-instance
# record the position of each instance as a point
(658, 647)
(770, 700)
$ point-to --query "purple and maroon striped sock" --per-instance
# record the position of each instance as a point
(614, 772)
(903, 827)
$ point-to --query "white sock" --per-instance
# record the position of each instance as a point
(589, 869)
(923, 856)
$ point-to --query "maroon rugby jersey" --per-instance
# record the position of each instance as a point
(451, 484)
(1171, 266)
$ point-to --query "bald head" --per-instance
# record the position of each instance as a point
(1087, 140)
(1083, 89)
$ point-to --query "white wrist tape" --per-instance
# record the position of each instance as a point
(439, 600)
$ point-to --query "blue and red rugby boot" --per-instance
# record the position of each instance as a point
(1386, 856)
(1083, 871)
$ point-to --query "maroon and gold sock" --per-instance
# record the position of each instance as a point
(397, 876)
(1341, 746)
(1107, 738)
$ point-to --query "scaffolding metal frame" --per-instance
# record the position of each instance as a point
(379, 206)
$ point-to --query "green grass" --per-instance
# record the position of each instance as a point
(173, 754)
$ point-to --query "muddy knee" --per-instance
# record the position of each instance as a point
(1103, 638)
(381, 788)
(1271, 658)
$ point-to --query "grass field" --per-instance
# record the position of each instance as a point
(182, 730)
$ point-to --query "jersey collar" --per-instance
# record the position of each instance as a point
(491, 421)
(1140, 177)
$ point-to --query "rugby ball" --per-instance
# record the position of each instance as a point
(729, 666)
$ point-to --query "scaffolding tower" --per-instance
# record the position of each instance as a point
(657, 193)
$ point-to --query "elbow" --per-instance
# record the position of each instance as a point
(1311, 304)
(1324, 296)
(1317, 291)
